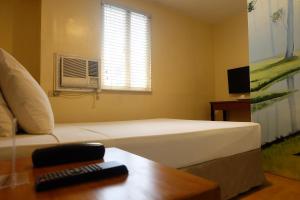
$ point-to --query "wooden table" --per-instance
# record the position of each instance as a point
(146, 180)
(227, 106)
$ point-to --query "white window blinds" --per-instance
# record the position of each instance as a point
(126, 50)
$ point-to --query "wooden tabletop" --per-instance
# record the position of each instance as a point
(146, 180)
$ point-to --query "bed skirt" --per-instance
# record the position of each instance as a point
(235, 174)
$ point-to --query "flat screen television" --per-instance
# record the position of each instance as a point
(239, 80)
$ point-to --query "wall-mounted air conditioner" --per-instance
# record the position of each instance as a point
(77, 74)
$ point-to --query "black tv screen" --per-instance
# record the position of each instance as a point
(239, 80)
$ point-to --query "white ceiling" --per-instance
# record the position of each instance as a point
(210, 11)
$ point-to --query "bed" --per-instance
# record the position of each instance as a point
(226, 152)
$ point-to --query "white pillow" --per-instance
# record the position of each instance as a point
(27, 100)
(6, 119)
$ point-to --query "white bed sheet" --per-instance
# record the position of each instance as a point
(28, 140)
(176, 143)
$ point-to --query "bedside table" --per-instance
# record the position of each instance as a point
(147, 180)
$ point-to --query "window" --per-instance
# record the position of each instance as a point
(126, 63)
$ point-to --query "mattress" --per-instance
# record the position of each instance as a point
(176, 143)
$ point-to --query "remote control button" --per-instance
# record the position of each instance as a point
(77, 170)
(69, 172)
(51, 176)
(94, 167)
(42, 180)
(98, 167)
(89, 169)
(84, 170)
(64, 173)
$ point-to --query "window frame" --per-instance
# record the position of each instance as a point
(149, 77)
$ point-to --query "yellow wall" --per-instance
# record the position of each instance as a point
(230, 40)
(230, 44)
(182, 63)
(189, 59)
(6, 25)
(20, 32)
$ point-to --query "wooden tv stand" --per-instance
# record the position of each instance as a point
(227, 106)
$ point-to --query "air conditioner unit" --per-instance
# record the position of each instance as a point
(77, 74)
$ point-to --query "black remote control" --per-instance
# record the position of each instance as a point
(79, 175)
(67, 153)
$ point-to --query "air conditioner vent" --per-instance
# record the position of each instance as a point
(93, 68)
(76, 74)
(75, 68)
